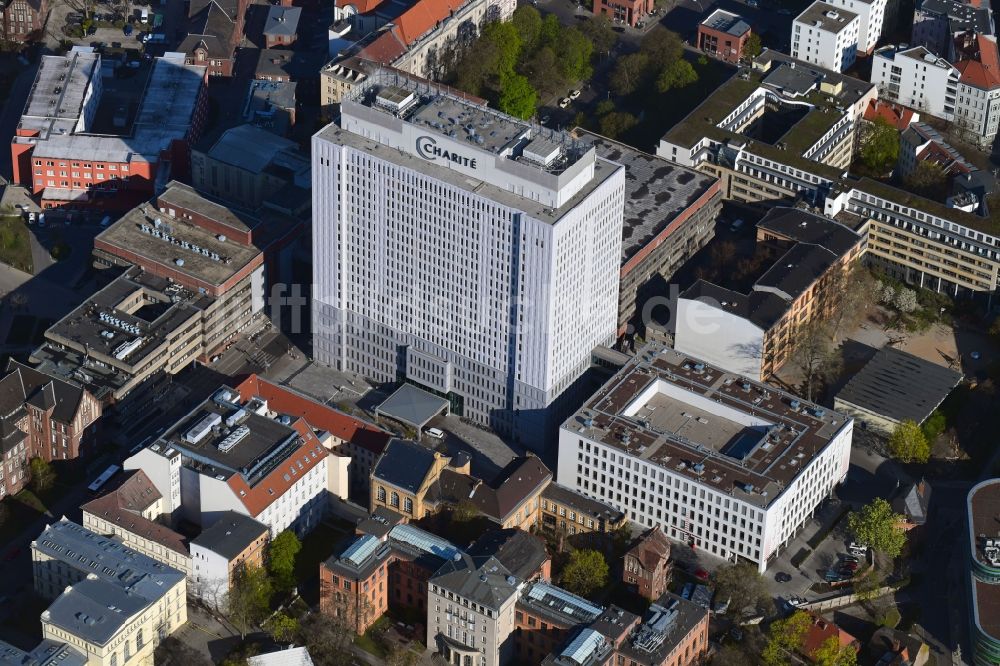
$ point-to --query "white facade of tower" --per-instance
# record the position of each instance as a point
(463, 266)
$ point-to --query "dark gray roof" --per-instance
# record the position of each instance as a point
(805, 227)
(961, 15)
(521, 553)
(230, 535)
(899, 386)
(95, 609)
(759, 307)
(412, 405)
(657, 191)
(404, 464)
(796, 271)
(282, 21)
(588, 506)
(653, 642)
(914, 502)
(379, 523)
(48, 653)
(24, 384)
(483, 580)
(727, 22)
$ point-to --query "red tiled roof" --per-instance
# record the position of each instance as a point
(319, 416)
(274, 485)
(385, 50)
(898, 116)
(419, 19)
(122, 506)
(363, 6)
(980, 63)
(822, 630)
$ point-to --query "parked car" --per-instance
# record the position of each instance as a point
(127, 30)
(564, 102)
(782, 577)
(687, 591)
(573, 94)
(436, 433)
(701, 574)
(795, 602)
(545, 119)
(832, 576)
(857, 549)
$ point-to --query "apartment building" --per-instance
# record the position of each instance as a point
(983, 571)
(369, 574)
(43, 417)
(631, 12)
(281, 26)
(751, 467)
(936, 23)
(110, 602)
(916, 78)
(545, 617)
(471, 606)
(673, 632)
(214, 31)
(235, 454)
(64, 157)
(549, 208)
(723, 35)
(409, 37)
(977, 112)
(569, 512)
(346, 436)
(646, 567)
(233, 541)
(131, 513)
(874, 16)
(827, 36)
(669, 216)
(23, 20)
(756, 332)
(783, 131)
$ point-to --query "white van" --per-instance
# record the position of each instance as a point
(436, 433)
(143, 16)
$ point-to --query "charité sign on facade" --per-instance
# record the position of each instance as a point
(428, 149)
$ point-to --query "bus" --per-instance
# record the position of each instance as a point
(103, 478)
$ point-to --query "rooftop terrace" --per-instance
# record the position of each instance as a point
(720, 429)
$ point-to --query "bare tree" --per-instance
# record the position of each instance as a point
(815, 355)
(849, 295)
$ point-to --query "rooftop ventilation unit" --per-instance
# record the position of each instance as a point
(233, 438)
(202, 428)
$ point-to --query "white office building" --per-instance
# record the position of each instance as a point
(463, 250)
(871, 17)
(725, 464)
(827, 36)
(916, 78)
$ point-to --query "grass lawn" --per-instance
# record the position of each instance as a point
(15, 244)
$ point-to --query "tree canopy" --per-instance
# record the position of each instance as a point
(832, 653)
(908, 444)
(880, 149)
(878, 527)
(677, 74)
(752, 47)
(248, 601)
(743, 585)
(43, 477)
(785, 636)
(517, 97)
(586, 572)
(281, 556)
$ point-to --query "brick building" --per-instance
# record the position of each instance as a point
(282, 26)
(646, 566)
(215, 29)
(23, 20)
(624, 11)
(723, 35)
(58, 154)
(545, 617)
(41, 417)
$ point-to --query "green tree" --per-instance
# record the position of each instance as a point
(785, 636)
(878, 527)
(935, 424)
(880, 149)
(908, 443)
(281, 554)
(248, 601)
(551, 29)
(42, 475)
(629, 73)
(678, 74)
(616, 123)
(528, 23)
(743, 585)
(464, 512)
(600, 33)
(542, 70)
(574, 50)
(586, 572)
(663, 47)
(283, 627)
(604, 107)
(928, 180)
(478, 64)
(752, 47)
(832, 653)
(508, 43)
(517, 97)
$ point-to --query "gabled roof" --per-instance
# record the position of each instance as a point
(321, 417)
(980, 62)
(652, 549)
(498, 499)
(821, 630)
(896, 115)
(523, 554)
(484, 580)
(123, 506)
(404, 464)
(914, 502)
(210, 28)
(228, 7)
(27, 385)
(282, 21)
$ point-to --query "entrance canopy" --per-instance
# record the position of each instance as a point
(413, 406)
